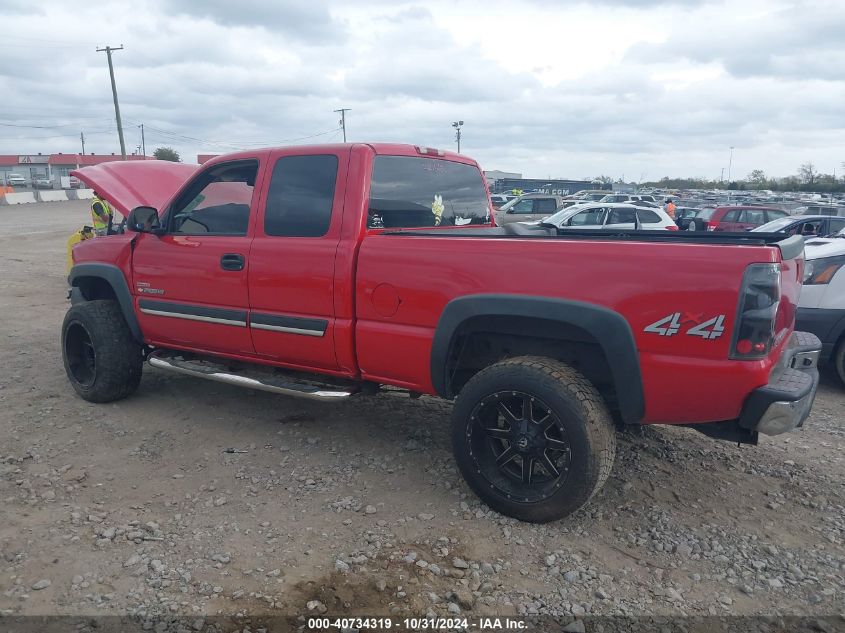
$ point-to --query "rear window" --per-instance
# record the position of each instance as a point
(407, 191)
(705, 214)
(648, 217)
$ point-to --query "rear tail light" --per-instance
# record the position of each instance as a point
(672, 227)
(711, 226)
(759, 299)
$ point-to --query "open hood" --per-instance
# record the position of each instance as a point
(129, 184)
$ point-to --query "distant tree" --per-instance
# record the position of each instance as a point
(757, 177)
(167, 153)
(807, 173)
(605, 179)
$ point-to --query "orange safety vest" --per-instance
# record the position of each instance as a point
(670, 210)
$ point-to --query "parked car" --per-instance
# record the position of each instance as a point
(821, 307)
(685, 215)
(16, 180)
(619, 217)
(589, 195)
(806, 225)
(631, 198)
(498, 200)
(74, 183)
(42, 182)
(545, 338)
(824, 209)
(740, 218)
(528, 207)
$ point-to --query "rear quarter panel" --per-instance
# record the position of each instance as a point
(686, 378)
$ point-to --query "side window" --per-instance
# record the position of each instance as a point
(301, 196)
(621, 216)
(545, 205)
(731, 216)
(523, 207)
(588, 217)
(835, 226)
(754, 216)
(648, 216)
(774, 215)
(217, 202)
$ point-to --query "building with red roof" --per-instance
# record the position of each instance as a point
(52, 166)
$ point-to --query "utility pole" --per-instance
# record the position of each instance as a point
(343, 112)
(730, 162)
(143, 143)
(82, 138)
(457, 125)
(108, 50)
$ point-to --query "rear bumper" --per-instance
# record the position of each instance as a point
(785, 403)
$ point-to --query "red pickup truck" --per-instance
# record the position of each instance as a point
(328, 271)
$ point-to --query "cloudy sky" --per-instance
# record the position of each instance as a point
(633, 88)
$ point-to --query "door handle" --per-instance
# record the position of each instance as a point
(232, 261)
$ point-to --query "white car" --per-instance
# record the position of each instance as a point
(16, 180)
(621, 217)
(821, 307)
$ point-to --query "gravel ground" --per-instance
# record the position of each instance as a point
(135, 508)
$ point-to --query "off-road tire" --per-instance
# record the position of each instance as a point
(839, 360)
(113, 360)
(566, 393)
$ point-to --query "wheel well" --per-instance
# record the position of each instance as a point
(484, 340)
(93, 288)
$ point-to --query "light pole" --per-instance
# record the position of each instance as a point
(457, 125)
(730, 162)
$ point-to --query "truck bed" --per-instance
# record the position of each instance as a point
(790, 247)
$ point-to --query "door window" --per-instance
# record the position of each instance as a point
(731, 216)
(835, 226)
(545, 206)
(217, 202)
(588, 217)
(301, 196)
(621, 216)
(754, 216)
(523, 207)
(774, 215)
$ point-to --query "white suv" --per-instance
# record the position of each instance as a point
(620, 217)
(821, 308)
(16, 180)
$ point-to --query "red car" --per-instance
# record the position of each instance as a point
(329, 271)
(735, 218)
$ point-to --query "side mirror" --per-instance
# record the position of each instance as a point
(144, 220)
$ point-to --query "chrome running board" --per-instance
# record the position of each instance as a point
(253, 379)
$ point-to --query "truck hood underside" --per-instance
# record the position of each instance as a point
(129, 184)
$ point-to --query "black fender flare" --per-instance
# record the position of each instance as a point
(608, 327)
(112, 275)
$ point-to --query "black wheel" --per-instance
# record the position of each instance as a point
(102, 360)
(692, 226)
(839, 360)
(533, 438)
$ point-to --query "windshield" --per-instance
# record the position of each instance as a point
(775, 225)
(564, 214)
(407, 191)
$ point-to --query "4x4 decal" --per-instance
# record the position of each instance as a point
(672, 324)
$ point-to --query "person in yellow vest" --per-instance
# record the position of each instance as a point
(101, 215)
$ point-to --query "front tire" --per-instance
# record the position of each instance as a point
(102, 360)
(839, 360)
(533, 438)
(692, 226)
